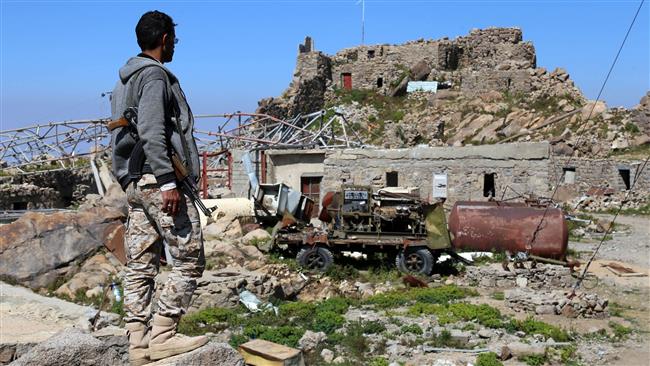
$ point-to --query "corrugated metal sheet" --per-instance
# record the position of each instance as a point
(427, 86)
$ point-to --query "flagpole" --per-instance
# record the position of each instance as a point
(363, 21)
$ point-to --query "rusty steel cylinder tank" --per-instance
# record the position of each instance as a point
(492, 226)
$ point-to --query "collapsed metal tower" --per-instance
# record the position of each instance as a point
(60, 144)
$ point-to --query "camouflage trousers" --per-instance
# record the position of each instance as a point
(147, 228)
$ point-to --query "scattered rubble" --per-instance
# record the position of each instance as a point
(556, 302)
(543, 276)
(607, 199)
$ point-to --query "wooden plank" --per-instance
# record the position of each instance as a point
(259, 352)
(619, 274)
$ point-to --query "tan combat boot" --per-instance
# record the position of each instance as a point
(138, 343)
(166, 343)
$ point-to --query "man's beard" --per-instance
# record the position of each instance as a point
(167, 55)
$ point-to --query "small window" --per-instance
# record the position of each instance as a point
(569, 175)
(625, 175)
(488, 185)
(371, 53)
(391, 179)
(380, 82)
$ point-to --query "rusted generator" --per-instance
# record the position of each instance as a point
(398, 222)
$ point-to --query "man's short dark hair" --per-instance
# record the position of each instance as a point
(151, 27)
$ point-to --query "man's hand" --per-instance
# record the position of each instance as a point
(171, 201)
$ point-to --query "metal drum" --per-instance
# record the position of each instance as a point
(492, 226)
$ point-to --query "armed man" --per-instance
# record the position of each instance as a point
(156, 135)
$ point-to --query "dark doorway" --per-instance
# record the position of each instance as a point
(19, 205)
(310, 187)
(488, 185)
(347, 80)
(371, 53)
(391, 179)
(380, 82)
(625, 175)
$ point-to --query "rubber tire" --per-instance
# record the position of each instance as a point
(315, 258)
(422, 255)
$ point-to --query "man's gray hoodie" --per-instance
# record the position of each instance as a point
(156, 93)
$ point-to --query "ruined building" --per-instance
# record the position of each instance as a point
(486, 59)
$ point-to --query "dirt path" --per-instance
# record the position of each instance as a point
(631, 245)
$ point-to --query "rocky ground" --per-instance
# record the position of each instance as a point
(359, 313)
(451, 118)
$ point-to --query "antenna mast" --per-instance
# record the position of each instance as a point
(363, 20)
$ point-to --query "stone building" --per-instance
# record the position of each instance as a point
(484, 60)
(498, 57)
(503, 171)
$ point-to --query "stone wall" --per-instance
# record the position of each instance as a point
(520, 166)
(46, 189)
(381, 67)
(601, 173)
(28, 196)
(478, 81)
(495, 48)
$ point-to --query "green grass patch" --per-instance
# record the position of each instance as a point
(534, 360)
(635, 152)
(287, 335)
(444, 339)
(498, 295)
(354, 339)
(338, 272)
(378, 361)
(488, 359)
(433, 295)
(620, 332)
(643, 210)
(412, 328)
(532, 326)
(208, 320)
(631, 128)
(484, 314)
(327, 321)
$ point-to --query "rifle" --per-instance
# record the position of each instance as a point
(188, 186)
(137, 160)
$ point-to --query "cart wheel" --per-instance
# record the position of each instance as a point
(415, 260)
(315, 258)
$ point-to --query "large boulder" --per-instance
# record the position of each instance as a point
(36, 249)
(212, 353)
(74, 347)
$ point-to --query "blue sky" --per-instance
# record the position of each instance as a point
(57, 57)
